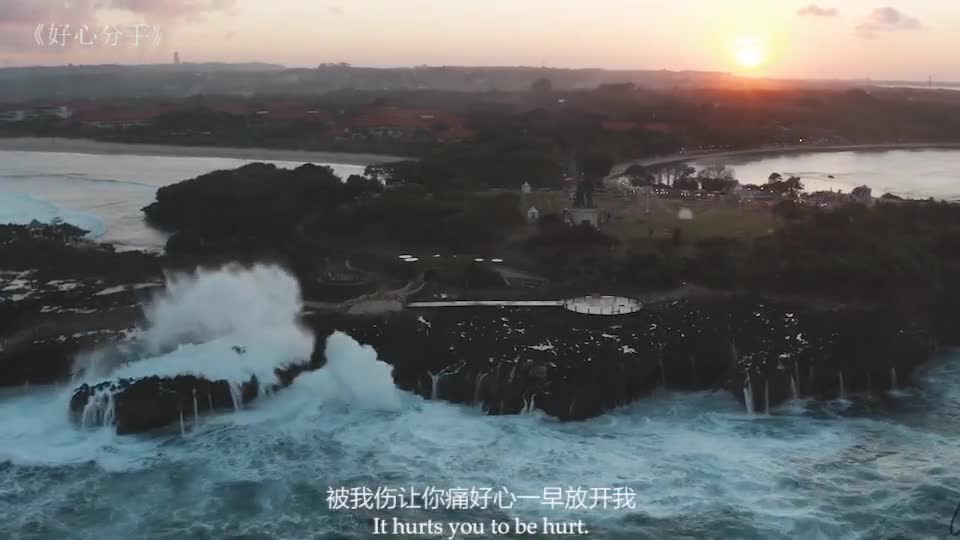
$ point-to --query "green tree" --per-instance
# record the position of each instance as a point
(669, 173)
(541, 87)
(596, 167)
(687, 183)
(639, 175)
(717, 177)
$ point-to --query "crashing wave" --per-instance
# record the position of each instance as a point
(23, 208)
(228, 335)
(218, 340)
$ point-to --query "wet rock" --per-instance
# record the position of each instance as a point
(573, 366)
(139, 405)
(783, 352)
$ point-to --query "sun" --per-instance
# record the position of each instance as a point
(750, 53)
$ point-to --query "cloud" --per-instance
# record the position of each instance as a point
(174, 8)
(19, 18)
(814, 10)
(336, 10)
(887, 19)
(34, 12)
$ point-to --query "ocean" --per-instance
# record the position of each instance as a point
(916, 174)
(298, 463)
(103, 193)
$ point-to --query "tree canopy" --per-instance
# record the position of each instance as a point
(717, 177)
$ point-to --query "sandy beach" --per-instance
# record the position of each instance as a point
(87, 146)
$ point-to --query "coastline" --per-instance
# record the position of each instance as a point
(773, 151)
(89, 146)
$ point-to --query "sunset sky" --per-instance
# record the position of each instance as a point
(881, 39)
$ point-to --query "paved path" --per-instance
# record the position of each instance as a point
(472, 303)
(588, 305)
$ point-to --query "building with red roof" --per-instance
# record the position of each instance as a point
(618, 126)
(293, 111)
(109, 118)
(401, 123)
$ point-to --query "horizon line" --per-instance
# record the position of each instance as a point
(278, 66)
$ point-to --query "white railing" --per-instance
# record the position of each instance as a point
(588, 305)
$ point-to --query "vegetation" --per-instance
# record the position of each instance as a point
(716, 178)
(260, 208)
(900, 251)
(497, 163)
(890, 253)
(791, 186)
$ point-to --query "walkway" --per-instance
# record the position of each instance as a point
(588, 305)
(473, 303)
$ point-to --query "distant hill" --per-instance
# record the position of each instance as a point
(14, 72)
(174, 81)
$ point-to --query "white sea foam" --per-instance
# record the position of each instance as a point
(698, 465)
(353, 376)
(226, 324)
(22, 208)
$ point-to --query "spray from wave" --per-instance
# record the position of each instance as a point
(196, 328)
(228, 324)
(22, 208)
(239, 326)
(353, 377)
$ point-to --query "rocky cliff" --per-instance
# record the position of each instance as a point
(574, 366)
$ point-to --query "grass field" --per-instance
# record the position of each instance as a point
(632, 221)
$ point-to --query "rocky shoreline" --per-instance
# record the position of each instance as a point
(574, 367)
(507, 360)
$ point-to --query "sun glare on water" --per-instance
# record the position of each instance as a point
(750, 53)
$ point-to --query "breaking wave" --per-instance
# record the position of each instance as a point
(22, 208)
(699, 466)
(226, 324)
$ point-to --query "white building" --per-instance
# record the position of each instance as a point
(22, 115)
(595, 217)
(533, 215)
(13, 116)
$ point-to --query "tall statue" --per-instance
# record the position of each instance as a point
(584, 196)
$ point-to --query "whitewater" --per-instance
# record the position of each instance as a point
(700, 466)
(24, 208)
(103, 194)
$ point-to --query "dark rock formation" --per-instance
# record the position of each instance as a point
(144, 404)
(61, 296)
(139, 405)
(45, 351)
(576, 366)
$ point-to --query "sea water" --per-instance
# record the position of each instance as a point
(699, 466)
(916, 174)
(103, 193)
